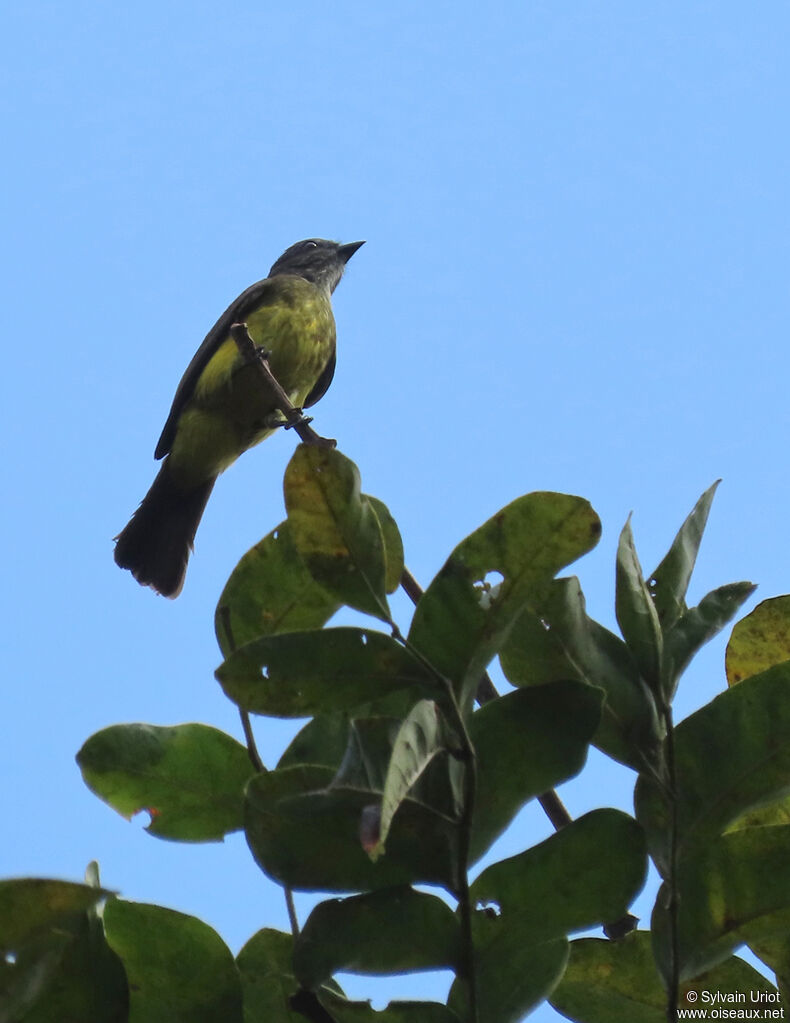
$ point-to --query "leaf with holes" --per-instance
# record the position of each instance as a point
(593, 868)
(343, 1011)
(299, 674)
(583, 875)
(465, 615)
(265, 966)
(335, 529)
(270, 591)
(617, 982)
(375, 933)
(190, 778)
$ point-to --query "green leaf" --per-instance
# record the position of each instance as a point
(697, 626)
(343, 1011)
(584, 874)
(304, 831)
(734, 889)
(557, 640)
(396, 930)
(322, 740)
(731, 756)
(512, 979)
(775, 953)
(367, 764)
(617, 982)
(669, 583)
(393, 544)
(526, 743)
(760, 640)
(592, 868)
(265, 965)
(179, 969)
(420, 739)
(465, 615)
(335, 529)
(299, 674)
(270, 591)
(30, 907)
(636, 613)
(45, 930)
(89, 982)
(190, 778)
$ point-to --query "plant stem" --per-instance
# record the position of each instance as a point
(465, 753)
(293, 919)
(255, 759)
(671, 882)
(246, 724)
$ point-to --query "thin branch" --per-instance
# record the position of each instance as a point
(554, 808)
(672, 881)
(252, 749)
(294, 417)
(255, 758)
(293, 919)
(246, 724)
(464, 847)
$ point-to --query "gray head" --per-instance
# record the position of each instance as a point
(318, 261)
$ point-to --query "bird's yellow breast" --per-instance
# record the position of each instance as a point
(227, 411)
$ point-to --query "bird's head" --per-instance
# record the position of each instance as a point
(318, 261)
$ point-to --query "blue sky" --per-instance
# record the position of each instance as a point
(575, 279)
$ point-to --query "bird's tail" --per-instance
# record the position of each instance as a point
(156, 544)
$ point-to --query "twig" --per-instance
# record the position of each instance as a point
(294, 417)
(255, 759)
(246, 724)
(672, 880)
(293, 919)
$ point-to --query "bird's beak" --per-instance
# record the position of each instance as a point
(347, 251)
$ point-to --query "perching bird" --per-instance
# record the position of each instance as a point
(220, 408)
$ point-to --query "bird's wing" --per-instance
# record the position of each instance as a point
(255, 296)
(323, 382)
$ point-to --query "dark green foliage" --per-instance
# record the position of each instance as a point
(397, 781)
(189, 778)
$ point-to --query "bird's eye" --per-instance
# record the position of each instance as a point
(310, 245)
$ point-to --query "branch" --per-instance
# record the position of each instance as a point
(246, 724)
(672, 881)
(294, 417)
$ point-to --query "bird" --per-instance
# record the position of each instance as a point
(220, 408)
